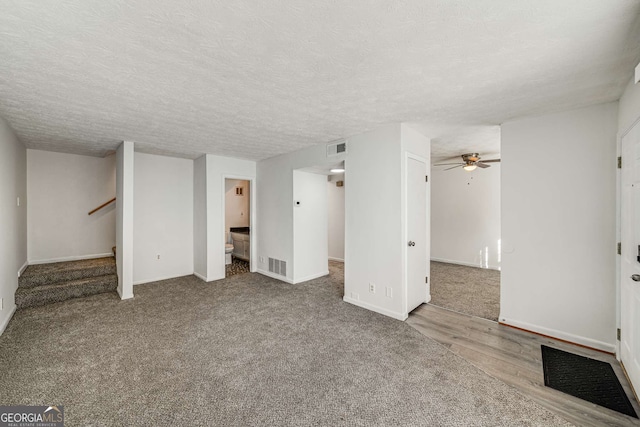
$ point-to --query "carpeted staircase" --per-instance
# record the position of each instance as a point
(49, 283)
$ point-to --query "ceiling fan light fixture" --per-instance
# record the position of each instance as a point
(469, 168)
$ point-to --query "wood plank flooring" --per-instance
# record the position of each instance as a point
(513, 356)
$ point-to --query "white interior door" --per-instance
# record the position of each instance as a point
(417, 242)
(630, 268)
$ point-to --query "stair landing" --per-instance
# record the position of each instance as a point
(42, 284)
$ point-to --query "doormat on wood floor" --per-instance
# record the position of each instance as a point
(588, 379)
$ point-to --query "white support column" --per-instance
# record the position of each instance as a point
(124, 221)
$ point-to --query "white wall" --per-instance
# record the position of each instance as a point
(558, 225)
(62, 189)
(465, 216)
(217, 170)
(237, 207)
(336, 218)
(163, 218)
(310, 225)
(13, 244)
(275, 203)
(124, 218)
(373, 221)
(200, 217)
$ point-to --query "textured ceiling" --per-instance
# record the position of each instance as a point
(255, 79)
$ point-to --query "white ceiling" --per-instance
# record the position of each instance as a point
(254, 79)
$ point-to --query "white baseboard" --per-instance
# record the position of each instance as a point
(336, 259)
(70, 258)
(376, 309)
(428, 300)
(313, 276)
(467, 264)
(157, 279)
(200, 276)
(24, 266)
(565, 336)
(7, 319)
(126, 296)
(275, 276)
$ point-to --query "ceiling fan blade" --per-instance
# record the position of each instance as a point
(448, 164)
(455, 167)
(482, 165)
(491, 161)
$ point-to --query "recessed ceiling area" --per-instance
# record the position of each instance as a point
(253, 80)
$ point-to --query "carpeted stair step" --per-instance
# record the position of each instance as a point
(60, 272)
(48, 294)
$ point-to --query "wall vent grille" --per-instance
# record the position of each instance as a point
(278, 267)
(336, 148)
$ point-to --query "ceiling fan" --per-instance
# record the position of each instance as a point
(470, 162)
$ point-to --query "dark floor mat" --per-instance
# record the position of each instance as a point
(588, 379)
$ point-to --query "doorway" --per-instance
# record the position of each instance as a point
(466, 228)
(336, 218)
(237, 210)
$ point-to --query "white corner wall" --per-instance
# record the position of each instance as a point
(13, 244)
(310, 225)
(62, 189)
(163, 218)
(237, 207)
(275, 202)
(373, 221)
(124, 218)
(335, 203)
(217, 170)
(558, 225)
(200, 217)
(465, 216)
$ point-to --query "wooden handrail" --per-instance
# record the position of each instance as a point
(102, 206)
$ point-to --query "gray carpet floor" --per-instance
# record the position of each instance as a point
(237, 266)
(246, 350)
(468, 290)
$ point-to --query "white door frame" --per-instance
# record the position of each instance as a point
(405, 232)
(252, 216)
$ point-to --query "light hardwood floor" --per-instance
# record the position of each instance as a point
(513, 356)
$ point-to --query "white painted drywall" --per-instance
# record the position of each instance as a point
(373, 221)
(558, 225)
(200, 217)
(465, 216)
(335, 205)
(237, 207)
(629, 108)
(217, 170)
(13, 244)
(163, 218)
(275, 204)
(62, 189)
(310, 225)
(124, 218)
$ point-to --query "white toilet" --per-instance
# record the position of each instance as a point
(228, 250)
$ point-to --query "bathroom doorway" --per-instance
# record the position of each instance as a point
(237, 202)
(336, 236)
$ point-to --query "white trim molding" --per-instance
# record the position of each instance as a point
(158, 279)
(313, 276)
(70, 258)
(467, 264)
(200, 276)
(565, 336)
(388, 313)
(6, 321)
(24, 267)
(275, 276)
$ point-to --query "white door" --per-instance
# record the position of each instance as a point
(630, 268)
(417, 241)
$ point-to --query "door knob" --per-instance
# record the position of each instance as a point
(414, 243)
(635, 277)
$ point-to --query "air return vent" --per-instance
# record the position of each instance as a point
(278, 267)
(336, 148)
